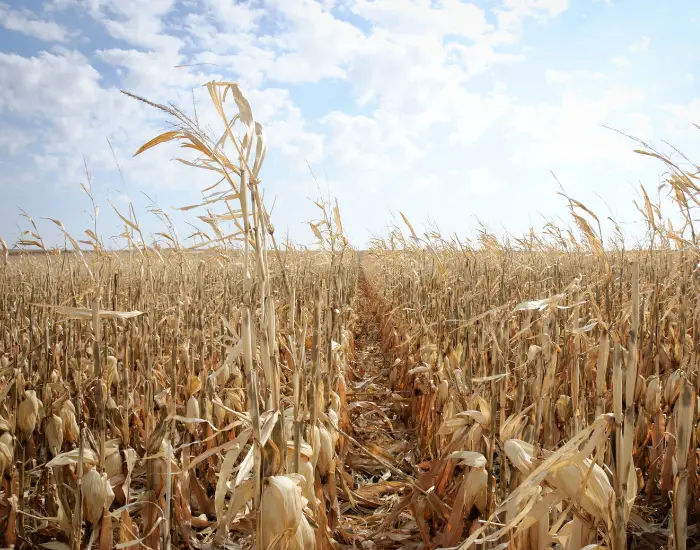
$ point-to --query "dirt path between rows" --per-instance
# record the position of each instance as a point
(374, 502)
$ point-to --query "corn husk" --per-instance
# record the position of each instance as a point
(218, 410)
(94, 495)
(54, 434)
(282, 515)
(652, 402)
(326, 451)
(305, 468)
(576, 478)
(304, 538)
(474, 437)
(28, 413)
(192, 412)
(672, 388)
(194, 384)
(4, 425)
(160, 467)
(574, 534)
(113, 458)
(315, 441)
(563, 409)
(532, 352)
(111, 372)
(70, 423)
(332, 423)
(236, 378)
(6, 452)
(443, 392)
(234, 401)
(335, 403)
(513, 427)
(476, 489)
(223, 373)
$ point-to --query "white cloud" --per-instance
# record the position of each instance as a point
(571, 133)
(620, 61)
(570, 78)
(684, 117)
(312, 43)
(413, 68)
(477, 58)
(227, 12)
(137, 22)
(62, 89)
(514, 12)
(156, 74)
(689, 111)
(432, 101)
(447, 17)
(28, 23)
(286, 129)
(14, 139)
(483, 182)
(49, 84)
(363, 143)
(75, 112)
(475, 114)
(641, 45)
(62, 93)
(636, 47)
(548, 7)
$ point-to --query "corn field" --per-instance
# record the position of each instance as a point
(509, 393)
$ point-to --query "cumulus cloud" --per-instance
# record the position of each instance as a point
(572, 131)
(140, 23)
(483, 182)
(513, 13)
(641, 45)
(684, 119)
(423, 99)
(48, 84)
(447, 17)
(26, 22)
(570, 78)
(62, 95)
(620, 60)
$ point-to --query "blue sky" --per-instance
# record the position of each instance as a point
(448, 111)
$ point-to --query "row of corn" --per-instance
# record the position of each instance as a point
(555, 392)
